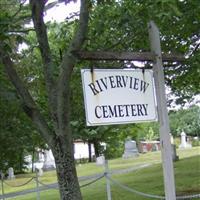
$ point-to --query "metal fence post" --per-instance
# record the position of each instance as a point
(2, 186)
(37, 185)
(108, 189)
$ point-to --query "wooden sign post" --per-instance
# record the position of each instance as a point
(155, 56)
(166, 150)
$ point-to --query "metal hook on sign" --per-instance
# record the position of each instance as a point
(143, 70)
(91, 69)
(92, 72)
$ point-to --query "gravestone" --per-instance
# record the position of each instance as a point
(130, 150)
(40, 156)
(184, 143)
(39, 171)
(155, 147)
(49, 162)
(100, 160)
(175, 157)
(171, 138)
(11, 173)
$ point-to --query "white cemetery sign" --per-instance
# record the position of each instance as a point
(118, 96)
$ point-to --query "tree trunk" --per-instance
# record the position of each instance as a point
(21, 161)
(90, 151)
(66, 170)
(33, 159)
(96, 148)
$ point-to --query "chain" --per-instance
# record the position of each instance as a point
(19, 185)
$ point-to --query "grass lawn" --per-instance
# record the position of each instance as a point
(147, 180)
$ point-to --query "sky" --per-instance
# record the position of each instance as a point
(57, 13)
(61, 11)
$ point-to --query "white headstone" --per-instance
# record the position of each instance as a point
(49, 162)
(184, 143)
(11, 173)
(100, 160)
(40, 156)
(130, 150)
(175, 157)
(39, 171)
(171, 138)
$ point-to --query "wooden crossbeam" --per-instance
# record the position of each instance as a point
(130, 56)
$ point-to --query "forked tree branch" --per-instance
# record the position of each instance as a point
(68, 63)
(37, 7)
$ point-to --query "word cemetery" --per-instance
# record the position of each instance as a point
(107, 111)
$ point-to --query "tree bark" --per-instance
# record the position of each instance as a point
(33, 158)
(96, 148)
(90, 151)
(21, 161)
(66, 170)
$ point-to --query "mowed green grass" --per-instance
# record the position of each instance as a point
(148, 180)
